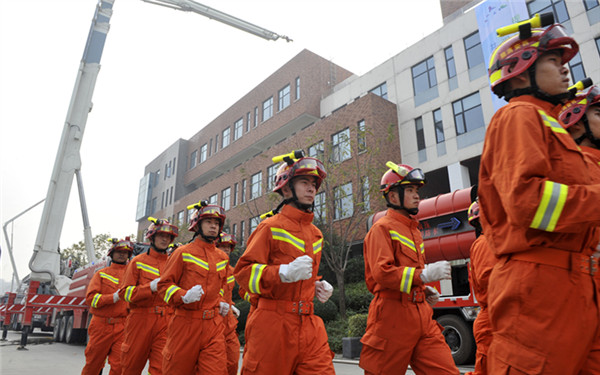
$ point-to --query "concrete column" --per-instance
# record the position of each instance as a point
(458, 175)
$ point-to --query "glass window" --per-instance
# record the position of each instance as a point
(597, 47)
(473, 50)
(193, 159)
(468, 114)
(256, 185)
(180, 217)
(226, 198)
(213, 199)
(362, 136)
(423, 75)
(190, 212)
(438, 125)
(271, 171)
(153, 210)
(226, 134)
(243, 196)
(343, 205)
(341, 150)
(255, 117)
(254, 221)
(210, 147)
(591, 4)
(557, 7)
(366, 198)
(235, 193)
(297, 88)
(317, 150)
(420, 133)
(157, 177)
(248, 121)
(284, 98)
(216, 143)
(450, 62)
(238, 127)
(267, 109)
(381, 90)
(576, 67)
(242, 232)
(171, 196)
(320, 207)
(203, 153)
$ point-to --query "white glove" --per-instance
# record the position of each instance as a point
(299, 269)
(193, 295)
(323, 290)
(223, 308)
(154, 284)
(597, 253)
(115, 296)
(236, 311)
(431, 295)
(436, 271)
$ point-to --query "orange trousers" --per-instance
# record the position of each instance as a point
(400, 333)
(482, 331)
(545, 320)
(195, 346)
(145, 338)
(232, 345)
(283, 343)
(105, 339)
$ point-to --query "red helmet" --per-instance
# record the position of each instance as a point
(405, 175)
(125, 245)
(161, 226)
(514, 56)
(473, 213)
(227, 239)
(205, 212)
(301, 167)
(575, 108)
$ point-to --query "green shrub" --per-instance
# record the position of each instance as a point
(355, 270)
(244, 307)
(357, 325)
(327, 311)
(336, 329)
(358, 297)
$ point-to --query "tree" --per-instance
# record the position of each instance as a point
(75, 256)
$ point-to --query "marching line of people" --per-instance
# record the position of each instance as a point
(533, 266)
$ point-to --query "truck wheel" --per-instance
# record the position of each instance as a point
(459, 337)
(70, 333)
(55, 332)
(61, 331)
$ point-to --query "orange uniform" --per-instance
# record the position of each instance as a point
(400, 328)
(232, 342)
(539, 198)
(482, 262)
(283, 335)
(146, 326)
(195, 339)
(108, 318)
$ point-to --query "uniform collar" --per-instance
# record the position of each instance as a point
(549, 108)
(406, 220)
(117, 265)
(297, 215)
(156, 254)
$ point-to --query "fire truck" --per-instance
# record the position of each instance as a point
(48, 296)
(448, 235)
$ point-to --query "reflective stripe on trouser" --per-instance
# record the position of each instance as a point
(535, 306)
(400, 333)
(195, 346)
(282, 343)
(105, 341)
(232, 345)
(145, 338)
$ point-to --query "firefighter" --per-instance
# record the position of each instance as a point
(146, 327)
(280, 265)
(400, 329)
(581, 117)
(480, 268)
(194, 282)
(108, 312)
(539, 197)
(226, 243)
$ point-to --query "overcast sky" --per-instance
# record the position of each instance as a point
(165, 74)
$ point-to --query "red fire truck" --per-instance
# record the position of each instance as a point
(448, 236)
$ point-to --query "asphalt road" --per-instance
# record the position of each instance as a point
(45, 357)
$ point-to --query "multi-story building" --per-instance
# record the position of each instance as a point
(437, 92)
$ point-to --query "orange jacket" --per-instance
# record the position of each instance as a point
(396, 255)
(536, 188)
(482, 262)
(594, 153)
(197, 263)
(100, 292)
(141, 270)
(279, 240)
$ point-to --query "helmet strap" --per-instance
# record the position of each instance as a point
(553, 99)
(199, 232)
(400, 190)
(112, 259)
(588, 133)
(153, 246)
(302, 206)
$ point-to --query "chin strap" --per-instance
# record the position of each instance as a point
(534, 90)
(400, 190)
(302, 206)
(153, 246)
(199, 232)
(588, 134)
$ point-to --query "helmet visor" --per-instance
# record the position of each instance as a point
(212, 210)
(167, 228)
(555, 37)
(308, 166)
(416, 176)
(593, 95)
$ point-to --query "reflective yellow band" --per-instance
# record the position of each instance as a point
(221, 265)
(230, 279)
(285, 236)
(407, 279)
(96, 299)
(551, 122)
(422, 246)
(404, 240)
(197, 261)
(255, 275)
(317, 246)
(147, 268)
(109, 277)
(170, 291)
(553, 201)
(128, 293)
(221, 292)
(247, 296)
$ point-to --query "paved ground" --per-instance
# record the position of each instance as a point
(45, 357)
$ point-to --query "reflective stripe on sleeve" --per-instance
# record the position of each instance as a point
(551, 122)
(404, 240)
(96, 299)
(128, 293)
(407, 279)
(255, 275)
(147, 268)
(186, 257)
(221, 292)
(317, 246)
(551, 205)
(230, 279)
(109, 277)
(170, 291)
(221, 265)
(285, 236)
